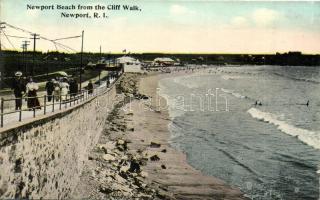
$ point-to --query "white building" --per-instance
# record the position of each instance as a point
(163, 61)
(130, 64)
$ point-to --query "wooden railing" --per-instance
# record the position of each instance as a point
(59, 102)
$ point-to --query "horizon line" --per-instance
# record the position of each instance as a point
(164, 52)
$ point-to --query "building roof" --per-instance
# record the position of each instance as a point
(127, 59)
(163, 60)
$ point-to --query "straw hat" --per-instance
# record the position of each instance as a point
(18, 73)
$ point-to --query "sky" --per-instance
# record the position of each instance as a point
(174, 26)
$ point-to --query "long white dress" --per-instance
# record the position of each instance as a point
(32, 101)
(64, 90)
(56, 91)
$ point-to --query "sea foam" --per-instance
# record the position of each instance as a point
(311, 138)
(238, 95)
(173, 108)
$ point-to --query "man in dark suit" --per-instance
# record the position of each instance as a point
(18, 89)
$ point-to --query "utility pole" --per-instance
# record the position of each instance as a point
(1, 27)
(47, 64)
(99, 67)
(1, 64)
(20, 67)
(35, 37)
(81, 59)
(24, 50)
(109, 58)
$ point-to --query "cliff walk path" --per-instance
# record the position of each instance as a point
(10, 118)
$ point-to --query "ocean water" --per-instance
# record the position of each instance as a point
(270, 151)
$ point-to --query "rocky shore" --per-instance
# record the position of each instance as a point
(133, 159)
(115, 171)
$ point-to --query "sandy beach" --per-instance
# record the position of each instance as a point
(172, 170)
(134, 159)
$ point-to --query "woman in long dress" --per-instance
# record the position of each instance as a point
(56, 91)
(64, 89)
(31, 90)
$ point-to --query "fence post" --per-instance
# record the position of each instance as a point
(2, 102)
(66, 103)
(44, 104)
(20, 113)
(60, 103)
(34, 112)
(53, 98)
(82, 95)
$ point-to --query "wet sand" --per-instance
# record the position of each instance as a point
(133, 158)
(171, 170)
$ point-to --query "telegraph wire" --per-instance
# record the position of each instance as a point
(65, 46)
(61, 46)
(2, 45)
(66, 38)
(8, 39)
(47, 39)
(14, 36)
(55, 46)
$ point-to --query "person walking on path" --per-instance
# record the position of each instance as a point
(108, 81)
(50, 89)
(32, 101)
(56, 91)
(64, 86)
(18, 89)
(90, 87)
(73, 87)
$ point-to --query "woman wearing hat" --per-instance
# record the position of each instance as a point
(33, 101)
(64, 89)
(18, 89)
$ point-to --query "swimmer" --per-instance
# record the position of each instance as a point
(258, 103)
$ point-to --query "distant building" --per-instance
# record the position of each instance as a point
(163, 62)
(130, 64)
(91, 65)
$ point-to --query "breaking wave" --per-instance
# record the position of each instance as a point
(311, 80)
(308, 137)
(238, 95)
(174, 109)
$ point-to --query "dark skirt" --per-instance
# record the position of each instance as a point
(33, 101)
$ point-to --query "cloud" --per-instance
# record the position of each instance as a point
(180, 10)
(265, 17)
(239, 21)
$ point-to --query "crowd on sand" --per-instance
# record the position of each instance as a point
(172, 69)
(57, 89)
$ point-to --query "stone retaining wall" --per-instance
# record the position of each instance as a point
(43, 159)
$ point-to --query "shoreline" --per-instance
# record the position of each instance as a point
(133, 158)
(184, 181)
